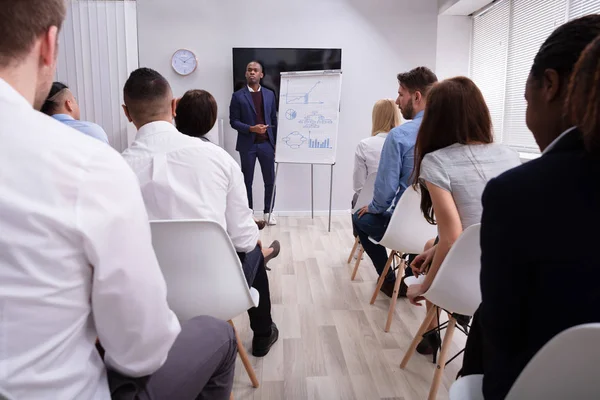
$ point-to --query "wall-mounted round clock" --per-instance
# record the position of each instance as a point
(184, 62)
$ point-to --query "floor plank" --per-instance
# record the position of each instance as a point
(332, 344)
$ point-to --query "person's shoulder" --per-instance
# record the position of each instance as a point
(403, 132)
(267, 90)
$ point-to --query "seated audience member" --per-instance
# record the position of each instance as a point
(62, 106)
(455, 157)
(201, 99)
(536, 230)
(76, 259)
(395, 169)
(183, 177)
(368, 152)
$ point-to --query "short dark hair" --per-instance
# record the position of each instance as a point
(583, 100)
(256, 62)
(51, 104)
(456, 112)
(419, 79)
(563, 47)
(196, 113)
(147, 94)
(21, 22)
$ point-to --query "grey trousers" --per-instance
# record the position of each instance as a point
(200, 365)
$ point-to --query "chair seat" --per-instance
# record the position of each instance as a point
(467, 388)
(255, 296)
(373, 240)
(412, 280)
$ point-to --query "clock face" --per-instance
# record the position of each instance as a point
(184, 62)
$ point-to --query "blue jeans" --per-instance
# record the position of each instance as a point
(374, 225)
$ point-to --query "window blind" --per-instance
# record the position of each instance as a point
(488, 61)
(579, 8)
(532, 21)
(98, 49)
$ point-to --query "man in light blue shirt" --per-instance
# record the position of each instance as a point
(62, 106)
(395, 169)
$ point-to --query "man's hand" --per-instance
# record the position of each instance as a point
(363, 211)
(422, 261)
(260, 128)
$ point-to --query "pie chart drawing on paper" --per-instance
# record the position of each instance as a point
(291, 114)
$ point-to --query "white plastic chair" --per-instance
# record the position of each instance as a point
(364, 199)
(565, 368)
(203, 273)
(455, 289)
(407, 233)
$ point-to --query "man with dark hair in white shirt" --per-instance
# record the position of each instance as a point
(183, 177)
(76, 259)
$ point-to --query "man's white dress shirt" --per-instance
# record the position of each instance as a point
(76, 262)
(183, 177)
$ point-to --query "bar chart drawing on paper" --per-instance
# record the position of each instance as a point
(318, 144)
(298, 96)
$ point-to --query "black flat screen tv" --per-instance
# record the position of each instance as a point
(278, 60)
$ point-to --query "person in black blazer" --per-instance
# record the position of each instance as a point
(540, 271)
(253, 114)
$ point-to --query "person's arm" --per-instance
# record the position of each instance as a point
(235, 114)
(241, 227)
(360, 169)
(449, 228)
(128, 292)
(388, 175)
(504, 283)
(97, 132)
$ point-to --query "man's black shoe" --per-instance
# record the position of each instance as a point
(262, 344)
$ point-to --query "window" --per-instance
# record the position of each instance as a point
(506, 38)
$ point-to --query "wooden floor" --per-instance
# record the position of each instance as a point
(332, 344)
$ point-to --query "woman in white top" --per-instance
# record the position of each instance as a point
(455, 157)
(386, 117)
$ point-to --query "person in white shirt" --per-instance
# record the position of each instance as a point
(184, 177)
(76, 258)
(385, 117)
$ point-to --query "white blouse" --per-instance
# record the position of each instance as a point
(366, 159)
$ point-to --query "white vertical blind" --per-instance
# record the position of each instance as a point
(98, 50)
(579, 8)
(523, 25)
(488, 61)
(532, 21)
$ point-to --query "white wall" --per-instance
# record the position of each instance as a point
(379, 38)
(453, 54)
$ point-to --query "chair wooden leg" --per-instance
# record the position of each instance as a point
(418, 336)
(382, 277)
(400, 273)
(360, 255)
(244, 356)
(353, 249)
(441, 361)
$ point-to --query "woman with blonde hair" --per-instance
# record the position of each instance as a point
(386, 117)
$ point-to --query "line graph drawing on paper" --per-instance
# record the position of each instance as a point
(300, 97)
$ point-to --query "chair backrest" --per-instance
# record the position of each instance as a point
(456, 286)
(203, 272)
(408, 231)
(366, 193)
(565, 368)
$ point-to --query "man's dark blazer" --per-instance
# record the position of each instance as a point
(540, 269)
(242, 115)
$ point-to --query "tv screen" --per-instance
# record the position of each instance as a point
(275, 61)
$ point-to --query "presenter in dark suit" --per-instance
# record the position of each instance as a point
(253, 114)
(540, 268)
